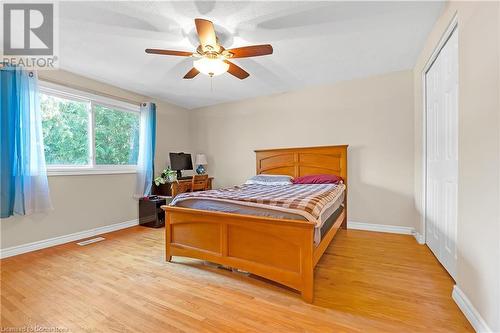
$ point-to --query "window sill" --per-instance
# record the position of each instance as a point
(83, 172)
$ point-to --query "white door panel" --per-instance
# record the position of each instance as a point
(442, 154)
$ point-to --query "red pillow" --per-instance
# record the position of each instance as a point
(318, 179)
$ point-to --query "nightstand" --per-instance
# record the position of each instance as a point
(150, 212)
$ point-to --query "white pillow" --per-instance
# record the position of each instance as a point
(270, 180)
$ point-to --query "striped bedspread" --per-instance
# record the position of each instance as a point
(307, 200)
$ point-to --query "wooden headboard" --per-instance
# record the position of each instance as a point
(305, 161)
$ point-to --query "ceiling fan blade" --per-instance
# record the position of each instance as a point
(169, 52)
(192, 73)
(237, 71)
(206, 34)
(251, 51)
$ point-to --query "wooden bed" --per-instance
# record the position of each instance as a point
(280, 250)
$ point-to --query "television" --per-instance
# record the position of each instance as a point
(179, 162)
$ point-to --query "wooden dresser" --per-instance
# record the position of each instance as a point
(174, 188)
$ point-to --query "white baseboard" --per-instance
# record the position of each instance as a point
(469, 311)
(419, 237)
(386, 228)
(380, 228)
(15, 250)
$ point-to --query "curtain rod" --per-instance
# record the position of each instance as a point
(6, 63)
(99, 93)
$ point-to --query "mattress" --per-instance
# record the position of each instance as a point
(324, 224)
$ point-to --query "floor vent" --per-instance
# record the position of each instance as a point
(90, 241)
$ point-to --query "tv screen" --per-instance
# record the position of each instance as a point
(181, 161)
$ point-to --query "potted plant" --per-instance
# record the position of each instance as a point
(167, 176)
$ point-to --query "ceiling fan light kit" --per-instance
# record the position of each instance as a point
(211, 58)
(211, 66)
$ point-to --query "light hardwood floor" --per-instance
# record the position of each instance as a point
(365, 282)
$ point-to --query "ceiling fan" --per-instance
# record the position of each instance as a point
(211, 58)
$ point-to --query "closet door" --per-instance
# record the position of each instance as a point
(442, 154)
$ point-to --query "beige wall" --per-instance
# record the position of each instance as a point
(373, 115)
(91, 201)
(478, 271)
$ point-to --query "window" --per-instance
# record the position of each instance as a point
(65, 125)
(116, 136)
(86, 133)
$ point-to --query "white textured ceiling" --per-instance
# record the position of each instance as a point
(314, 43)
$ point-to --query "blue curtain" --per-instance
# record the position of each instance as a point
(23, 174)
(147, 144)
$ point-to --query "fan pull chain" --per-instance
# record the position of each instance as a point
(211, 84)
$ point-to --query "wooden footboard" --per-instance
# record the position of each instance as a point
(277, 249)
